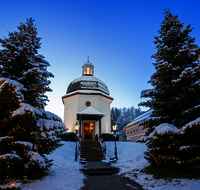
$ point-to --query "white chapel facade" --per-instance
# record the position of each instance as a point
(87, 101)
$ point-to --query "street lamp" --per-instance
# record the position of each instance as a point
(114, 129)
(76, 126)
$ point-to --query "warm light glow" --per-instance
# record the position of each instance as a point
(88, 70)
(76, 126)
(114, 127)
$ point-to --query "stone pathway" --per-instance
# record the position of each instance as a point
(101, 181)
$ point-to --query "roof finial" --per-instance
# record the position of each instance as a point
(88, 59)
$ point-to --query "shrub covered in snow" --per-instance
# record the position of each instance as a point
(173, 148)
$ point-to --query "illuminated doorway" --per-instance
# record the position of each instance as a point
(88, 134)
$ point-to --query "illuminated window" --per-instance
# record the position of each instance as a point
(91, 71)
(88, 70)
(85, 71)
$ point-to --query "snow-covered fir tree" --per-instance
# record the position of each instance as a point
(175, 82)
(26, 129)
(173, 131)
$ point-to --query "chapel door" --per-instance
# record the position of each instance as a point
(88, 134)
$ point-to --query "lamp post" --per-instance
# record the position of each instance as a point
(114, 129)
(76, 126)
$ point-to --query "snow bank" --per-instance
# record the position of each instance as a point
(131, 161)
(130, 155)
(63, 174)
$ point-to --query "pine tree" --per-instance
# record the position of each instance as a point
(27, 130)
(175, 89)
(174, 99)
(124, 116)
(114, 114)
(20, 61)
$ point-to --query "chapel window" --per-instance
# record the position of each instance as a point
(88, 71)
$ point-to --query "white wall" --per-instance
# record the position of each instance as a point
(76, 104)
(71, 107)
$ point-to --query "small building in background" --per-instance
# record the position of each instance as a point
(133, 131)
(122, 135)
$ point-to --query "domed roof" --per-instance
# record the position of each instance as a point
(87, 83)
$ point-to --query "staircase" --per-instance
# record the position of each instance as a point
(91, 150)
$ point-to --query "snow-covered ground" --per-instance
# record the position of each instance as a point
(65, 171)
(131, 160)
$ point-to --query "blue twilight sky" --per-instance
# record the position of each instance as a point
(117, 35)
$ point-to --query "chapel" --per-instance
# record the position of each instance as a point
(87, 101)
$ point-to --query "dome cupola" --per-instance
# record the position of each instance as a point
(88, 68)
(87, 83)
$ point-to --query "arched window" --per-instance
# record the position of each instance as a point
(88, 71)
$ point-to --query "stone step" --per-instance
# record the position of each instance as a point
(91, 150)
(100, 171)
(98, 168)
